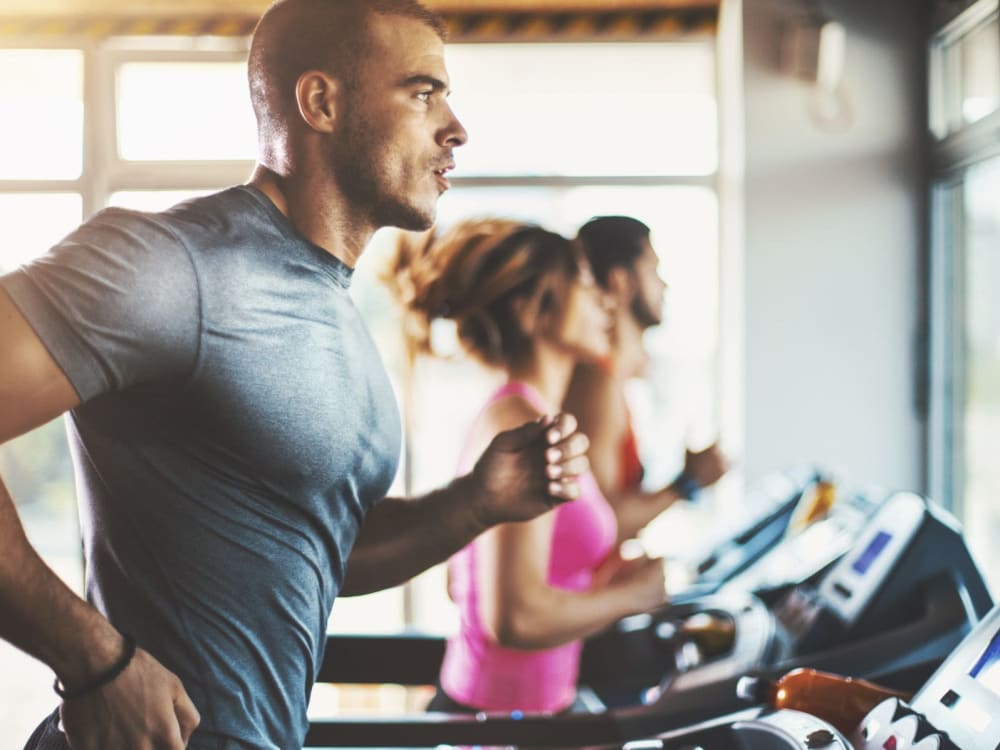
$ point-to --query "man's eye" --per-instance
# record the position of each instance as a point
(424, 96)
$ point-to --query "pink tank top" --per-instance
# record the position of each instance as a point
(479, 673)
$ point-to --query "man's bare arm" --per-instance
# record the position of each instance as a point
(596, 399)
(402, 537)
(42, 616)
(523, 473)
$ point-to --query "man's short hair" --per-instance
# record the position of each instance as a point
(294, 36)
(612, 242)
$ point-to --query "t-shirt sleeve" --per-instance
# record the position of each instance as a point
(116, 303)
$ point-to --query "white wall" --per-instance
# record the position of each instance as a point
(834, 225)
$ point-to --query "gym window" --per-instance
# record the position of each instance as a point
(965, 263)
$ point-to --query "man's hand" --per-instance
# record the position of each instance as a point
(528, 470)
(144, 708)
(522, 473)
(705, 467)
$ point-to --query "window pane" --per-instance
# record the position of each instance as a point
(381, 612)
(982, 406)
(41, 108)
(585, 109)
(981, 72)
(965, 70)
(185, 111)
(33, 222)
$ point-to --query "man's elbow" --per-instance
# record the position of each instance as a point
(352, 586)
(349, 589)
(357, 580)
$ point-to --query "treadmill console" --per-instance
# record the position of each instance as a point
(909, 553)
(849, 587)
(958, 707)
(891, 609)
(798, 557)
(772, 505)
(853, 582)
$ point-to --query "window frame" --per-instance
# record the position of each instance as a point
(104, 171)
(955, 145)
(944, 82)
(952, 154)
(945, 451)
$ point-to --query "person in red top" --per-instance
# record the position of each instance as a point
(625, 264)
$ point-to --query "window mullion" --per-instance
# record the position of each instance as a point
(99, 151)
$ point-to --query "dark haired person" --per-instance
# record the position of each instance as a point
(626, 267)
(232, 427)
(525, 303)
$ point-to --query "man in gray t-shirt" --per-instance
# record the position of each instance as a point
(232, 427)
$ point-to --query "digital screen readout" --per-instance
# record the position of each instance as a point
(987, 668)
(875, 546)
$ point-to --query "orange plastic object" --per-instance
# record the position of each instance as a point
(841, 701)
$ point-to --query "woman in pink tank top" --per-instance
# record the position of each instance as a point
(525, 302)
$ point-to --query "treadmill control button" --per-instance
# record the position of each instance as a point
(820, 738)
(950, 698)
(666, 631)
(652, 744)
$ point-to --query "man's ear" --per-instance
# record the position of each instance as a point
(621, 284)
(317, 95)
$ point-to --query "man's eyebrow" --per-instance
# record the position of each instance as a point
(421, 78)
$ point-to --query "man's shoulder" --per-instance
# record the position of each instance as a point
(186, 228)
(196, 211)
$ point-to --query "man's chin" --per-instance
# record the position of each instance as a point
(645, 317)
(410, 218)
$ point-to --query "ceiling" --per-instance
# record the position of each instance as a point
(467, 20)
(191, 8)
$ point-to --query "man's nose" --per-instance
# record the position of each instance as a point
(453, 134)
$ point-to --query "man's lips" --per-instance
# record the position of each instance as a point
(440, 172)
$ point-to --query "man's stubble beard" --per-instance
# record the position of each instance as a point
(643, 313)
(362, 176)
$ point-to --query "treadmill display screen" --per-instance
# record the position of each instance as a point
(866, 558)
(987, 668)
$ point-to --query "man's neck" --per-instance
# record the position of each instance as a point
(630, 355)
(318, 216)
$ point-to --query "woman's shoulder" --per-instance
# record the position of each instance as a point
(503, 412)
(508, 411)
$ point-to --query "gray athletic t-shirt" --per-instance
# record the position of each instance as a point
(236, 425)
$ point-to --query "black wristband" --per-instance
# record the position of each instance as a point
(687, 486)
(102, 679)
